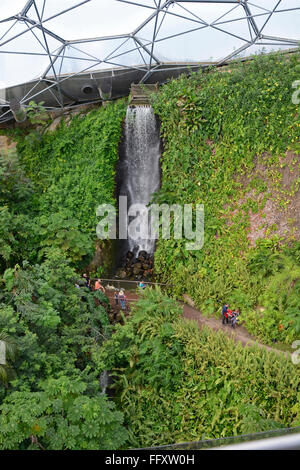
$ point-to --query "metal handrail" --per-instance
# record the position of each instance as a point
(274, 439)
(128, 281)
(291, 442)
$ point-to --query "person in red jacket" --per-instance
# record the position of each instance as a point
(229, 313)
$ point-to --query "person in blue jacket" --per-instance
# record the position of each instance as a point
(224, 316)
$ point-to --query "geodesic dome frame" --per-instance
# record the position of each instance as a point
(34, 35)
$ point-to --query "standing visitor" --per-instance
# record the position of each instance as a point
(122, 299)
(87, 281)
(229, 315)
(98, 286)
(116, 295)
(224, 314)
(234, 318)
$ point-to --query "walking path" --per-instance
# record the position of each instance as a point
(238, 334)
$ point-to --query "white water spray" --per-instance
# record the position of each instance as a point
(142, 168)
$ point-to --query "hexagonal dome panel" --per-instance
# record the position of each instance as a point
(45, 43)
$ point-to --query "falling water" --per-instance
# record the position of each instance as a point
(104, 381)
(141, 177)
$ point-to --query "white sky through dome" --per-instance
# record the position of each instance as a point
(203, 33)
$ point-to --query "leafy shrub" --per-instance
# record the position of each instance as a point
(60, 416)
(176, 383)
(50, 394)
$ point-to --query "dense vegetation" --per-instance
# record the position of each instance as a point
(50, 397)
(217, 127)
(173, 382)
(69, 172)
(176, 383)
(50, 390)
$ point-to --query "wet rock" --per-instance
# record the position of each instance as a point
(136, 267)
(136, 270)
(122, 274)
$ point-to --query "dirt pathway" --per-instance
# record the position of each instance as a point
(238, 334)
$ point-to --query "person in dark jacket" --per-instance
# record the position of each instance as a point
(87, 281)
(224, 314)
(116, 295)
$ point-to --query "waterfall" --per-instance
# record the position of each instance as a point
(141, 170)
(103, 381)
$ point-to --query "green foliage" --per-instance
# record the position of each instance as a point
(215, 126)
(74, 166)
(50, 393)
(8, 278)
(281, 306)
(50, 192)
(16, 224)
(60, 416)
(176, 383)
(15, 187)
(52, 397)
(173, 382)
(36, 113)
(62, 231)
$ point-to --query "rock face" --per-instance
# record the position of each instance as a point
(104, 256)
(67, 115)
(140, 267)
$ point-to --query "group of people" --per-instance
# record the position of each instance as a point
(119, 296)
(229, 315)
(97, 286)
